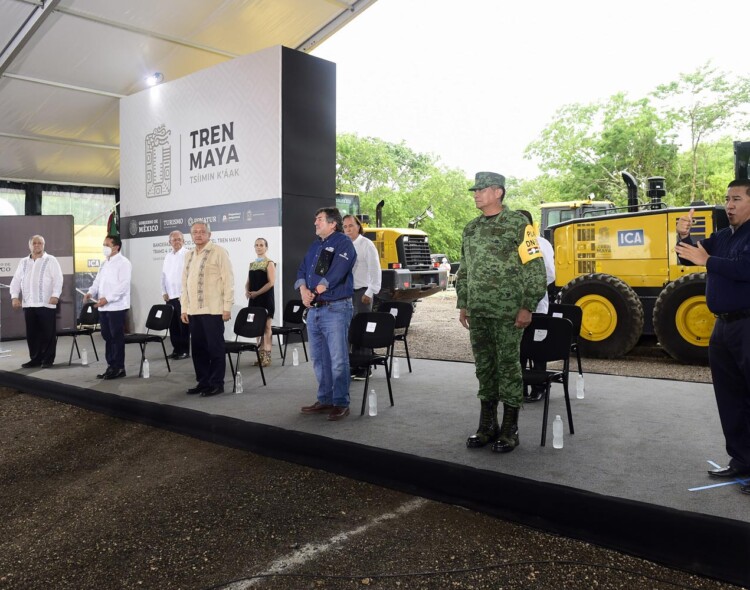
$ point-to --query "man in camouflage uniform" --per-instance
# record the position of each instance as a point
(499, 282)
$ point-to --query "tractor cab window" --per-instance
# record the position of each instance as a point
(558, 215)
(598, 210)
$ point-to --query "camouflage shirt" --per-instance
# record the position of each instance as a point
(493, 279)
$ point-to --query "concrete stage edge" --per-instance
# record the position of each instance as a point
(710, 545)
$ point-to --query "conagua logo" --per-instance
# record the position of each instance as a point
(158, 163)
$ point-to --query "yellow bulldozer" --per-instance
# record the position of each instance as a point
(620, 267)
(407, 270)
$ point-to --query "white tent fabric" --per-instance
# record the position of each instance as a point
(66, 63)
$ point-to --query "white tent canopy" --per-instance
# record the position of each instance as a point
(66, 63)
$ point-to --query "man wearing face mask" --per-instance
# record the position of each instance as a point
(111, 289)
(36, 285)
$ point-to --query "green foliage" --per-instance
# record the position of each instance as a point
(586, 147)
(453, 205)
(409, 183)
(714, 166)
(368, 165)
(705, 102)
(529, 194)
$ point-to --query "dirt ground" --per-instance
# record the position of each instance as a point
(93, 502)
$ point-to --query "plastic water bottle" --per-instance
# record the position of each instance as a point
(295, 357)
(238, 383)
(372, 403)
(146, 372)
(84, 357)
(557, 432)
(396, 369)
(579, 387)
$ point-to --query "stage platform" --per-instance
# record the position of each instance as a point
(632, 477)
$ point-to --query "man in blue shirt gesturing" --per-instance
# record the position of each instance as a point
(726, 256)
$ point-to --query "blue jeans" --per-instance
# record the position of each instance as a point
(328, 335)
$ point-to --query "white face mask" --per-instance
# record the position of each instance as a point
(107, 251)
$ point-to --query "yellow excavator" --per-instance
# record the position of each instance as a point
(620, 267)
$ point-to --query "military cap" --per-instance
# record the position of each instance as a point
(485, 179)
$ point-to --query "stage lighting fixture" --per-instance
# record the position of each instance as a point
(155, 78)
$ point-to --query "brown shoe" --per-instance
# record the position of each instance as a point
(338, 413)
(316, 408)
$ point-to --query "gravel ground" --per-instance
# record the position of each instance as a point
(435, 333)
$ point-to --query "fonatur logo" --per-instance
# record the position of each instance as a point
(158, 163)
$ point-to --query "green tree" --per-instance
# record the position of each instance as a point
(565, 150)
(705, 102)
(446, 190)
(409, 182)
(528, 194)
(714, 166)
(586, 147)
(368, 164)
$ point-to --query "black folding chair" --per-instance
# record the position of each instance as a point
(250, 323)
(292, 324)
(368, 331)
(402, 312)
(575, 315)
(547, 339)
(87, 324)
(157, 329)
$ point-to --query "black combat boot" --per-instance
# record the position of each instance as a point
(488, 430)
(508, 437)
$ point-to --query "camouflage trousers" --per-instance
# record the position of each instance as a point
(496, 344)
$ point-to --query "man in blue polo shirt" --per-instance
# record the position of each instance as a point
(326, 284)
(726, 256)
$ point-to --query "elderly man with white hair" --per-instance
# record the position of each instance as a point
(36, 286)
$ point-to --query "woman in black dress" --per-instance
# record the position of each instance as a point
(259, 291)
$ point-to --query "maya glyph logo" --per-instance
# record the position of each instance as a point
(158, 163)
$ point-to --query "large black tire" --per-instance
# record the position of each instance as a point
(682, 321)
(612, 315)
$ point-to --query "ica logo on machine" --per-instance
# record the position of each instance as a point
(630, 237)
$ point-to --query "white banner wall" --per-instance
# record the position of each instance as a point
(206, 146)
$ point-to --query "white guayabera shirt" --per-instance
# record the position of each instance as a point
(37, 280)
